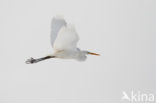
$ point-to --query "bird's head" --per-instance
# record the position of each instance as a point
(82, 55)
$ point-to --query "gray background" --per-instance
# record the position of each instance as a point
(122, 31)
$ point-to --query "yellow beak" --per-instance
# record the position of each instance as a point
(93, 54)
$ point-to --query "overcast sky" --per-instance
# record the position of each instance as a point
(122, 31)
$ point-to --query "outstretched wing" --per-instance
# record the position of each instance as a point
(67, 38)
(56, 24)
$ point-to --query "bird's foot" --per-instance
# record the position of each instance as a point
(31, 61)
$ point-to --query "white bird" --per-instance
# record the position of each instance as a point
(64, 40)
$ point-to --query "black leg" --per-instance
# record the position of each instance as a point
(32, 60)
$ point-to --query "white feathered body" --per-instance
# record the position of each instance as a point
(70, 54)
(64, 40)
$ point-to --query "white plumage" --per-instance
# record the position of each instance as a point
(64, 39)
(57, 23)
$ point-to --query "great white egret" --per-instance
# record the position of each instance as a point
(64, 40)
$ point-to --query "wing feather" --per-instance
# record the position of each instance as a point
(56, 24)
(67, 38)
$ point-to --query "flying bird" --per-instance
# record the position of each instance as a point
(64, 39)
